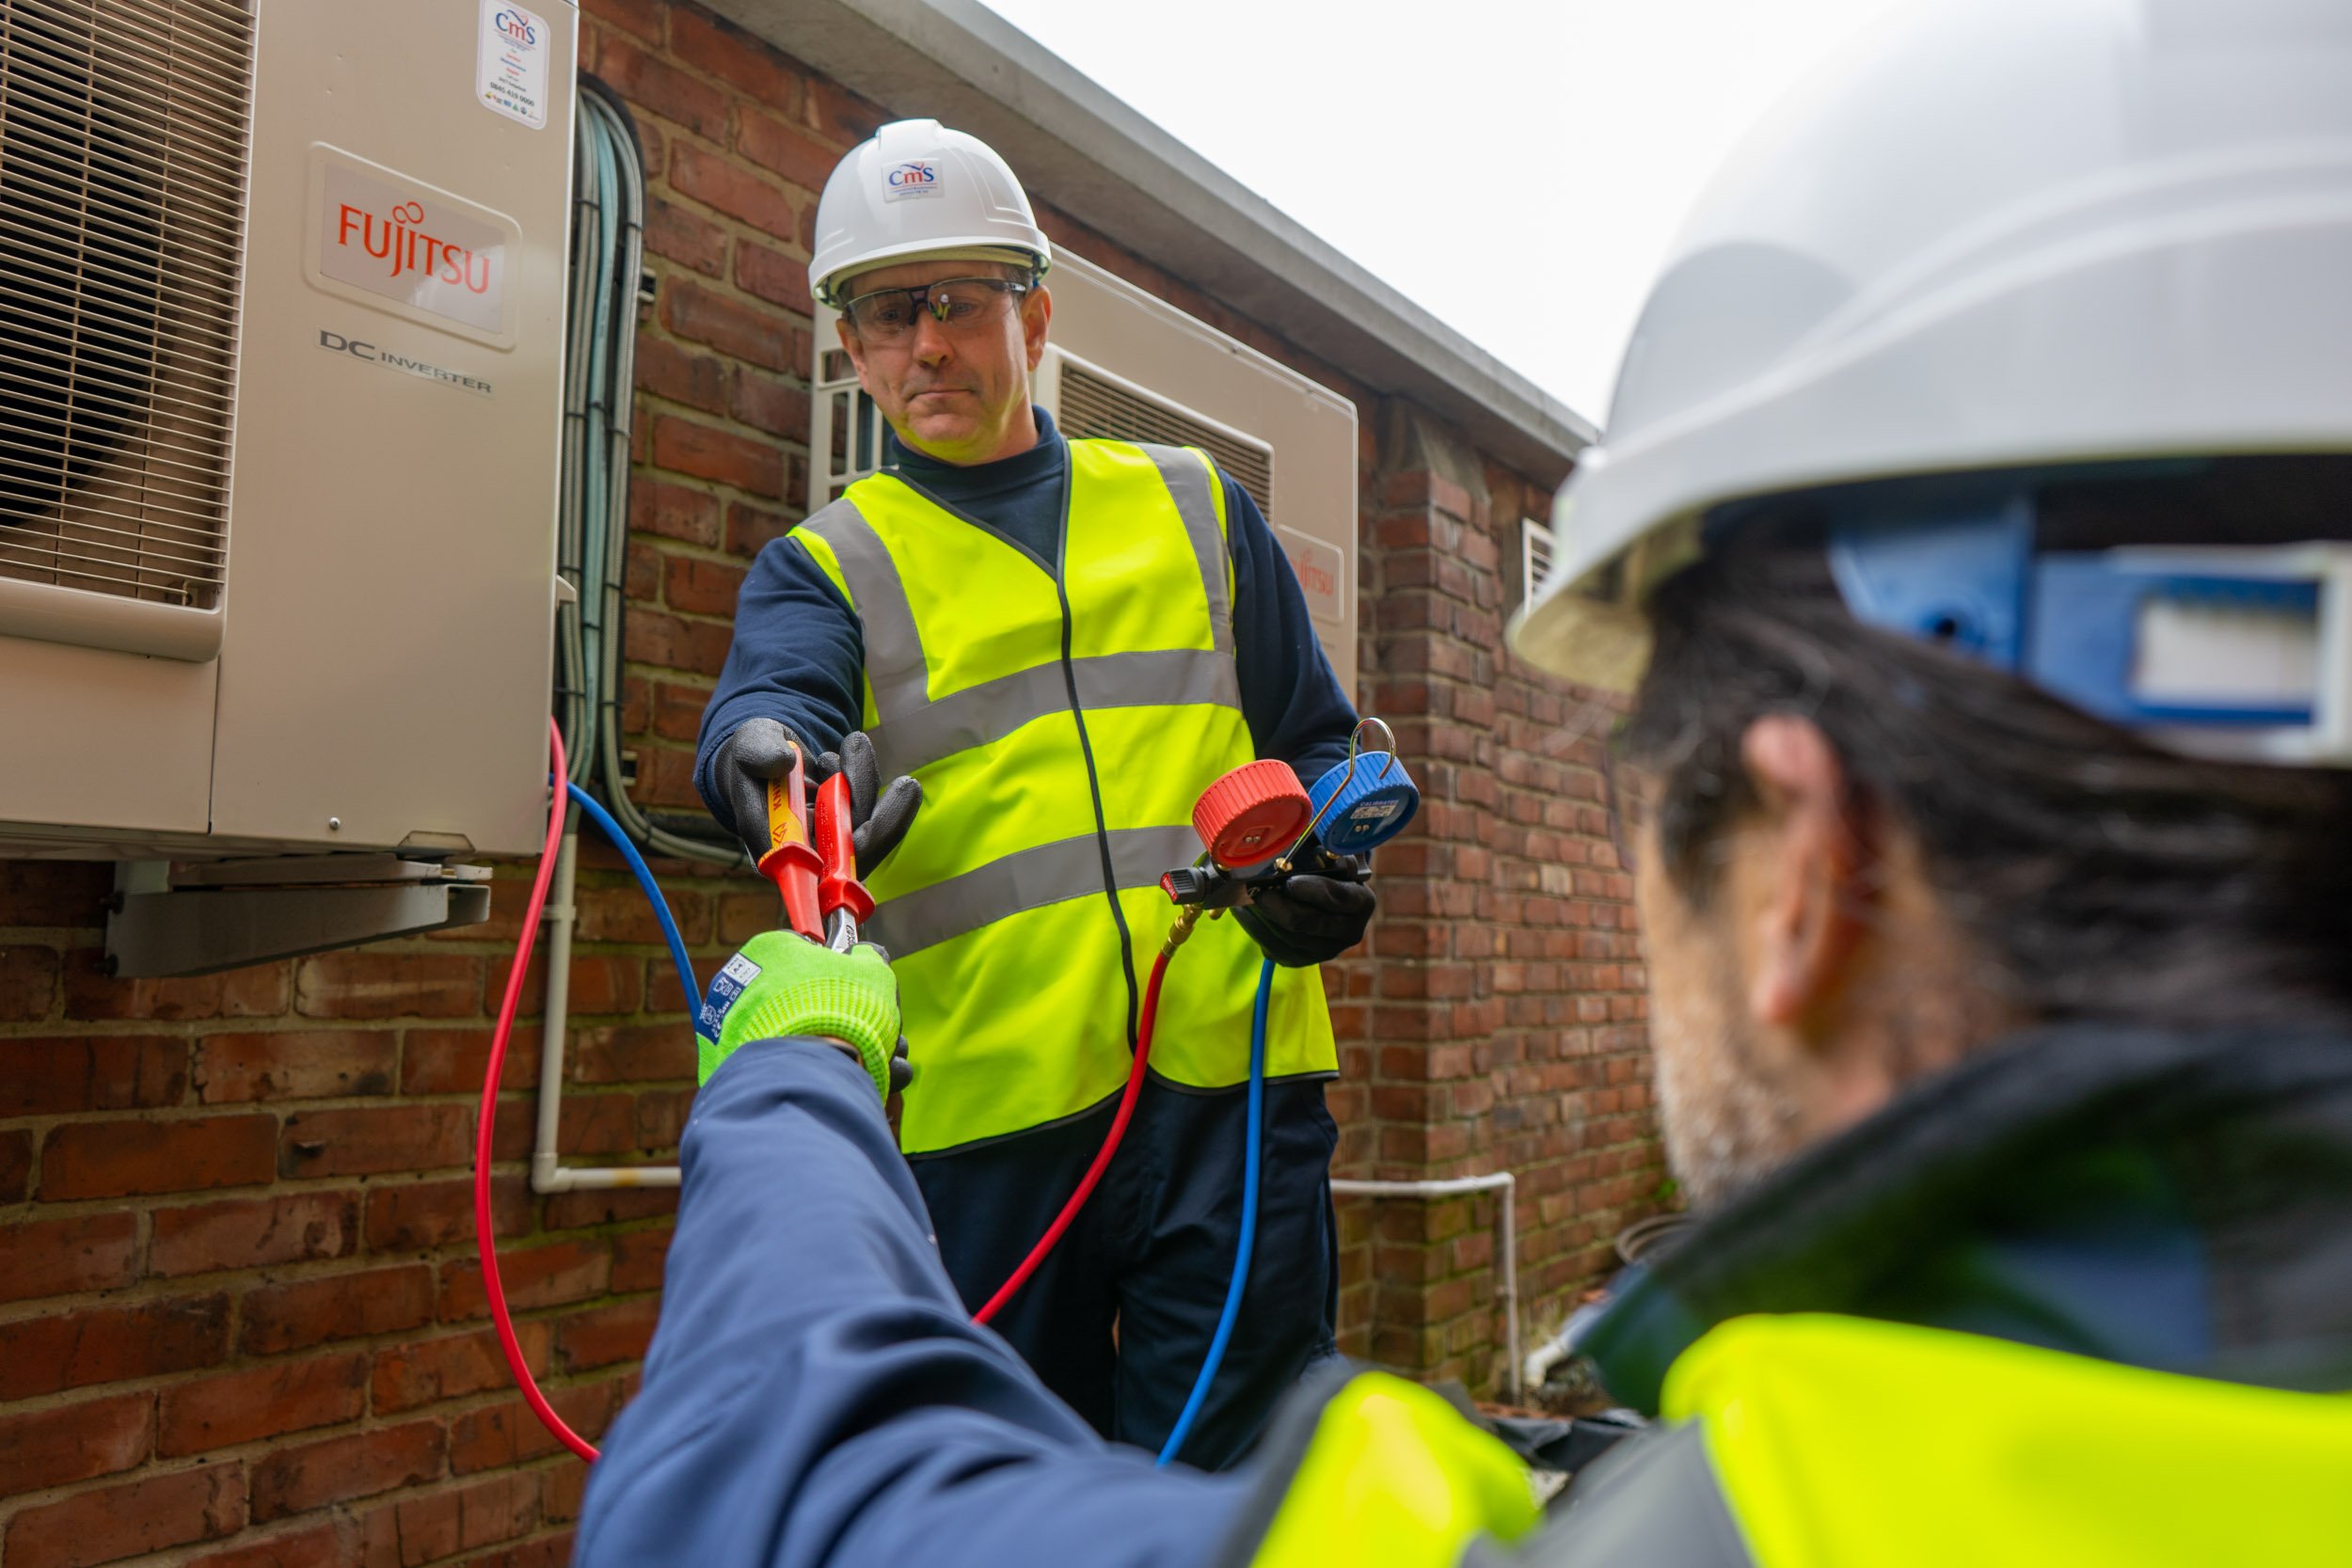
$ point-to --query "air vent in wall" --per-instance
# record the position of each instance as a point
(122, 171)
(1094, 402)
(1534, 556)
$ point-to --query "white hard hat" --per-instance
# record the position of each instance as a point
(2001, 233)
(919, 189)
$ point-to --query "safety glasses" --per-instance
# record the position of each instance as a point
(956, 304)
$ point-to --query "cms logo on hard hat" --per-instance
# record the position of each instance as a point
(912, 175)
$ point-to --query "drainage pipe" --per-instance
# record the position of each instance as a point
(548, 1173)
(1454, 1186)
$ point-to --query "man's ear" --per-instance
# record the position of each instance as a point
(1804, 909)
(1036, 313)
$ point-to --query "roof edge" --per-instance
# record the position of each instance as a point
(1087, 153)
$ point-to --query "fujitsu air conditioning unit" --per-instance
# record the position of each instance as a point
(1126, 365)
(281, 310)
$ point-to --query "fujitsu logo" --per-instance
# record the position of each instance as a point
(399, 241)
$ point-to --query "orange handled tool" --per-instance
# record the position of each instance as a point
(843, 898)
(791, 862)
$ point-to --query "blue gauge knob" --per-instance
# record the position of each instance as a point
(1363, 801)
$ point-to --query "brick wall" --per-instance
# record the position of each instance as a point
(240, 1318)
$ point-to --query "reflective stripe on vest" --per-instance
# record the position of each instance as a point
(1845, 1441)
(1023, 904)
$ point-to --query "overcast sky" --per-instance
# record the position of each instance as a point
(1551, 146)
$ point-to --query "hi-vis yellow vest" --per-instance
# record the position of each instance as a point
(1062, 717)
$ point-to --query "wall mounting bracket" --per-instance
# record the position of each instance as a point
(203, 918)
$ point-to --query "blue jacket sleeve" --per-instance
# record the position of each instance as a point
(797, 656)
(1289, 692)
(816, 1396)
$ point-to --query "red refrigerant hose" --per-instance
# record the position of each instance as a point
(485, 1126)
(1046, 1243)
(487, 1123)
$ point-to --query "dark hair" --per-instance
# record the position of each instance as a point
(2102, 876)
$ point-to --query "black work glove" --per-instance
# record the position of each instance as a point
(760, 750)
(879, 816)
(1306, 919)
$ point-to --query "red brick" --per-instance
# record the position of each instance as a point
(662, 1118)
(364, 984)
(413, 1216)
(425, 1371)
(684, 237)
(142, 1515)
(309, 1063)
(29, 983)
(671, 371)
(54, 1074)
(299, 1314)
(316, 1546)
(699, 647)
(16, 1165)
(54, 893)
(718, 455)
(770, 403)
(801, 158)
(499, 1436)
(577, 1210)
(747, 332)
(650, 83)
(547, 1551)
(675, 712)
(561, 1492)
(840, 115)
(637, 1259)
(451, 1061)
(608, 1335)
(435, 1525)
(702, 587)
(546, 1275)
(118, 1158)
(91, 992)
(736, 57)
(253, 1233)
(641, 17)
(376, 1139)
(108, 1344)
(711, 179)
(751, 529)
(56, 1258)
(673, 511)
(773, 276)
(267, 1401)
(295, 1481)
(594, 1124)
(74, 1442)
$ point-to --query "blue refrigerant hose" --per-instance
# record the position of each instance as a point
(1251, 1163)
(619, 840)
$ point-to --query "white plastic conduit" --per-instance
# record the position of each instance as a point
(548, 1173)
(1454, 1186)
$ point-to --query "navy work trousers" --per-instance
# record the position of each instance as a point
(1120, 1317)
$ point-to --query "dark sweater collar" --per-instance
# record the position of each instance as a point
(1919, 1192)
(964, 483)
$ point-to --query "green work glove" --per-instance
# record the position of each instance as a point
(781, 983)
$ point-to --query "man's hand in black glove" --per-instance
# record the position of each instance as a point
(1306, 919)
(879, 816)
(760, 750)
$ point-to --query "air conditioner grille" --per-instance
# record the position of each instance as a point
(1094, 406)
(122, 171)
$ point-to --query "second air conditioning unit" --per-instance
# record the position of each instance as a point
(1124, 365)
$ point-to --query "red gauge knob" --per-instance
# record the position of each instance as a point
(1252, 813)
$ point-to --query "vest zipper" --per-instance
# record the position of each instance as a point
(1094, 783)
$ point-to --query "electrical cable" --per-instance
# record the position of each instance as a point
(1046, 1243)
(487, 1123)
(1252, 1147)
